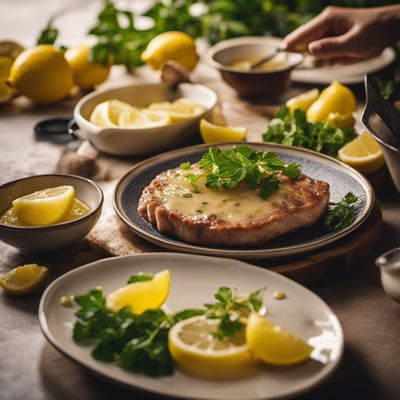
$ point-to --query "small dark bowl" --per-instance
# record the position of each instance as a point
(252, 83)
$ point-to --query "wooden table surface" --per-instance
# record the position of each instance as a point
(33, 370)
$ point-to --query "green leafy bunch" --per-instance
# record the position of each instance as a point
(118, 41)
(135, 342)
(295, 130)
(258, 169)
(341, 214)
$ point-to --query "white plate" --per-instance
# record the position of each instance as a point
(194, 280)
(345, 74)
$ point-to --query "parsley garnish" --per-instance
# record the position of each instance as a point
(185, 165)
(231, 309)
(258, 169)
(140, 278)
(341, 214)
(295, 130)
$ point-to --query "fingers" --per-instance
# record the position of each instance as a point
(334, 47)
(315, 29)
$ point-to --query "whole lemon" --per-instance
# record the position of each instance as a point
(177, 46)
(42, 74)
(336, 98)
(86, 74)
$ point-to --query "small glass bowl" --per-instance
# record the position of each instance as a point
(389, 265)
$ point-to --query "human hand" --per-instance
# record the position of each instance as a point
(347, 34)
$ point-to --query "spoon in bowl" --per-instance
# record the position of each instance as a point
(266, 58)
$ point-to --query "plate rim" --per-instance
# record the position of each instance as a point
(274, 254)
(316, 380)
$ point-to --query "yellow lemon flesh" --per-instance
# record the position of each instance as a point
(141, 296)
(42, 74)
(44, 207)
(86, 75)
(363, 153)
(214, 133)
(198, 353)
(107, 114)
(336, 98)
(341, 120)
(271, 344)
(25, 279)
(180, 110)
(177, 46)
(303, 101)
(6, 92)
(137, 118)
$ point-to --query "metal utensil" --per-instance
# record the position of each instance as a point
(266, 58)
(375, 103)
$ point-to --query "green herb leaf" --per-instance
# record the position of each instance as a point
(227, 169)
(342, 214)
(224, 295)
(140, 278)
(185, 165)
(295, 130)
(48, 35)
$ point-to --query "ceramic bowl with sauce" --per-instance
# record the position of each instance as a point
(54, 237)
(132, 141)
(233, 57)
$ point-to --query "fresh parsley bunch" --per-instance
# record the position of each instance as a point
(258, 169)
(342, 214)
(295, 130)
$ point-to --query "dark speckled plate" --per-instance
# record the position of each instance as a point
(341, 178)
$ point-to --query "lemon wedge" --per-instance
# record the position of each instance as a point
(25, 279)
(198, 353)
(6, 92)
(141, 296)
(137, 118)
(180, 110)
(303, 101)
(176, 46)
(44, 207)
(363, 153)
(271, 344)
(107, 114)
(215, 133)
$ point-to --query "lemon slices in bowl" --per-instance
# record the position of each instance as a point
(44, 207)
(115, 113)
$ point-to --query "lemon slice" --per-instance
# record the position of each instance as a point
(25, 279)
(44, 207)
(271, 344)
(216, 133)
(137, 118)
(107, 114)
(363, 153)
(141, 296)
(6, 92)
(303, 101)
(180, 110)
(198, 353)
